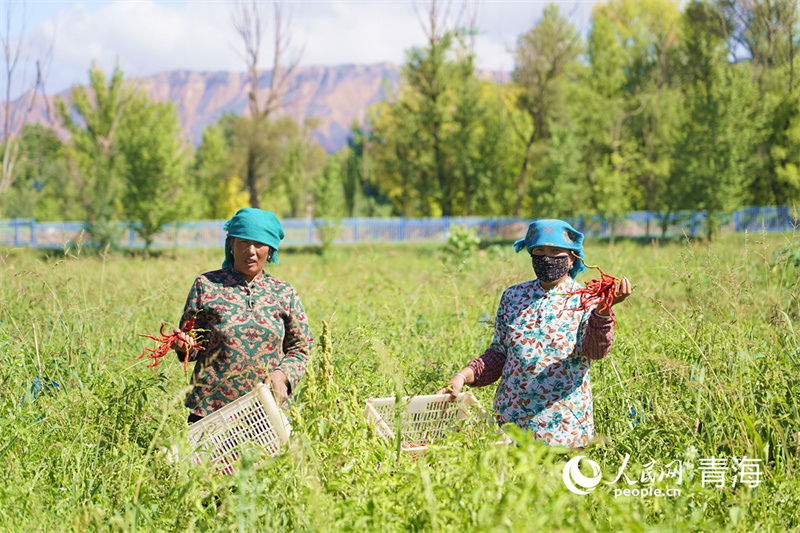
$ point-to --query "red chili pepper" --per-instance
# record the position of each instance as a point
(167, 340)
(596, 292)
(420, 444)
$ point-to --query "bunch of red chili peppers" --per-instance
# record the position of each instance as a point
(167, 340)
(596, 292)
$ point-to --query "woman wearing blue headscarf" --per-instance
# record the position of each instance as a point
(252, 326)
(543, 346)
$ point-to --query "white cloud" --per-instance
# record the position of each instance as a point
(357, 32)
(146, 36)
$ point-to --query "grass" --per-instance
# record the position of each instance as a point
(707, 356)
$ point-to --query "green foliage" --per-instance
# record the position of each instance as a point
(787, 256)
(784, 153)
(155, 168)
(93, 159)
(650, 115)
(328, 202)
(41, 189)
(434, 143)
(546, 58)
(216, 178)
(706, 352)
(302, 162)
(667, 106)
(462, 243)
(362, 195)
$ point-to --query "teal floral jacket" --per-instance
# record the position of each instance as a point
(542, 350)
(250, 330)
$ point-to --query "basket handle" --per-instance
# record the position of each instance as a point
(271, 407)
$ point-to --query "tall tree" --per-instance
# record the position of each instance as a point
(714, 155)
(601, 104)
(154, 166)
(440, 77)
(395, 153)
(426, 139)
(40, 190)
(650, 38)
(544, 58)
(766, 33)
(353, 168)
(425, 71)
(16, 78)
(250, 20)
(93, 159)
(217, 172)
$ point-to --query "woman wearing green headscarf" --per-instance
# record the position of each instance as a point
(252, 326)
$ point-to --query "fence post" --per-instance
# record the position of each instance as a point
(647, 224)
(401, 230)
(33, 232)
(691, 230)
(16, 232)
(491, 228)
(131, 235)
(355, 229)
(310, 230)
(736, 220)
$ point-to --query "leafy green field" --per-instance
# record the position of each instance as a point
(706, 353)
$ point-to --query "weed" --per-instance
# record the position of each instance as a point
(707, 357)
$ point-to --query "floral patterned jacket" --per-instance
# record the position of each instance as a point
(541, 352)
(251, 329)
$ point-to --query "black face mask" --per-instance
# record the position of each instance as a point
(549, 269)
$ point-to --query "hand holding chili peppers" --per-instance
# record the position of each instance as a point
(603, 293)
(623, 290)
(179, 338)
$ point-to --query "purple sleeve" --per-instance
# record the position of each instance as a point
(598, 337)
(487, 368)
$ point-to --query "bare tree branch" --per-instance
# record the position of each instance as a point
(14, 45)
(433, 17)
(250, 20)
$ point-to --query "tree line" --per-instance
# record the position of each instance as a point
(662, 106)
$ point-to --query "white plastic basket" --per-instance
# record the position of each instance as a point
(424, 419)
(252, 420)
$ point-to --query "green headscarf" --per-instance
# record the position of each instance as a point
(254, 225)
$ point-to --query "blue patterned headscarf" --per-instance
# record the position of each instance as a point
(254, 225)
(552, 232)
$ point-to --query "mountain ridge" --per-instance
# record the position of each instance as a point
(334, 95)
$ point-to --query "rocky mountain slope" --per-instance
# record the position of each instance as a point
(334, 95)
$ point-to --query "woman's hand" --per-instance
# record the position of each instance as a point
(280, 386)
(180, 345)
(623, 291)
(457, 382)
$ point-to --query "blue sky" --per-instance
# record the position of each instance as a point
(147, 36)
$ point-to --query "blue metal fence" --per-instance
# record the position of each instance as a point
(28, 232)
